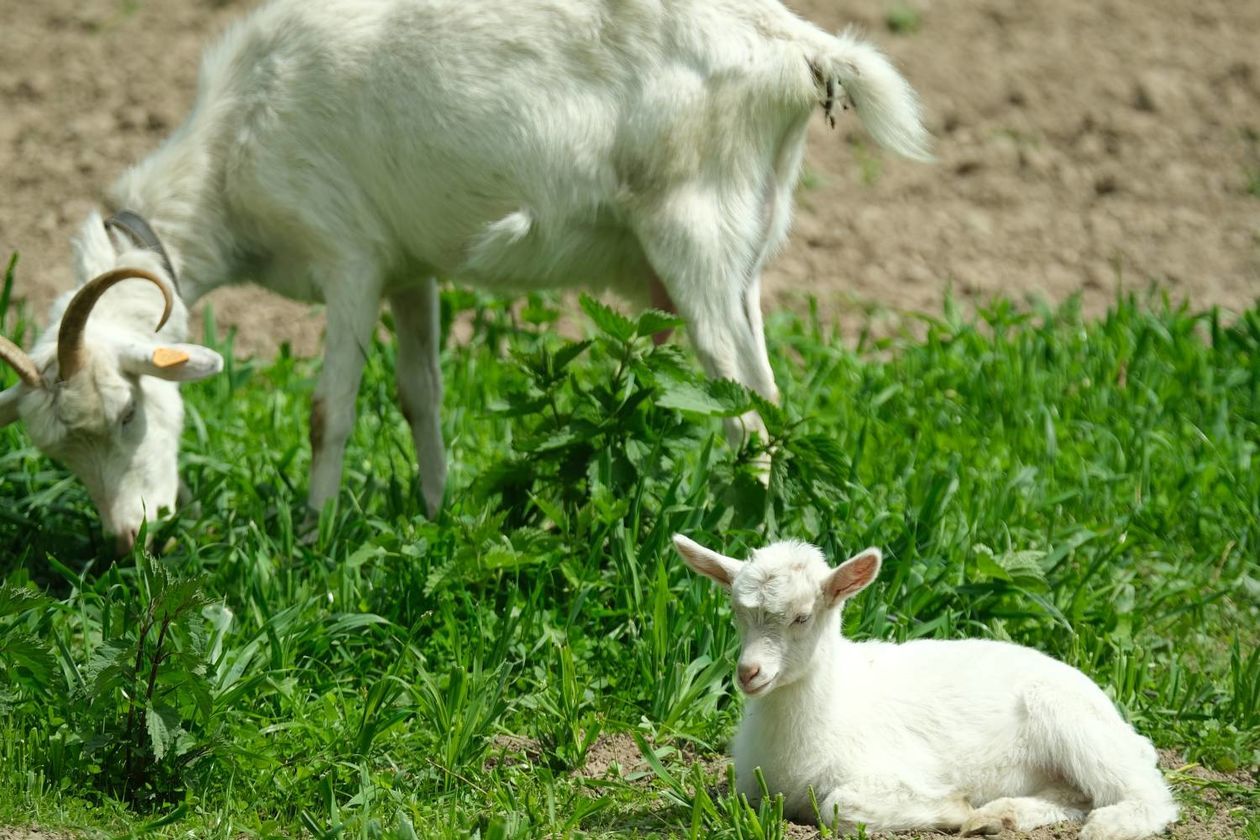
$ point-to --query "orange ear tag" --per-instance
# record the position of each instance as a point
(168, 357)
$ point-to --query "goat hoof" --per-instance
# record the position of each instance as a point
(982, 826)
(307, 531)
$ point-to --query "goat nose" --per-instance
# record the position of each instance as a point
(126, 540)
(747, 673)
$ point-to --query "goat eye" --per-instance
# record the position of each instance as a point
(801, 619)
(129, 414)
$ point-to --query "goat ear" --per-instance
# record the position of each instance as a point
(716, 567)
(94, 252)
(851, 576)
(173, 362)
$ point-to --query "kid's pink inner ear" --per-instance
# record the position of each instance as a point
(851, 577)
(168, 357)
(716, 567)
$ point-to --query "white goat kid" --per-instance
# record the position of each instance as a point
(970, 735)
(354, 150)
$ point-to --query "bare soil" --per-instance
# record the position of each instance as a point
(1085, 146)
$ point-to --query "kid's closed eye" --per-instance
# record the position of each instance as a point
(801, 619)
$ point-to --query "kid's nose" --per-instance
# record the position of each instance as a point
(748, 673)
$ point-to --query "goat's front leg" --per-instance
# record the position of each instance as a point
(351, 318)
(883, 810)
(419, 376)
(1024, 813)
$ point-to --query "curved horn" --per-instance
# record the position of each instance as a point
(18, 360)
(71, 354)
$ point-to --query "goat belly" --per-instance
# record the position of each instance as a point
(521, 252)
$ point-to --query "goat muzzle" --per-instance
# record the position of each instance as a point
(17, 359)
(71, 353)
(125, 541)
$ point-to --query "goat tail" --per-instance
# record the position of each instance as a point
(883, 99)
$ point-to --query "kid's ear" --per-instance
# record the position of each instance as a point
(716, 567)
(174, 362)
(851, 577)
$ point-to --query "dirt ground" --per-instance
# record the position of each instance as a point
(1084, 146)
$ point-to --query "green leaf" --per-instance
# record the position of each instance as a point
(19, 650)
(987, 564)
(671, 781)
(609, 321)
(689, 397)
(566, 354)
(163, 728)
(1021, 568)
(652, 321)
(353, 621)
(1024, 567)
(18, 599)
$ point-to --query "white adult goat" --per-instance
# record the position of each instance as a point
(970, 735)
(350, 150)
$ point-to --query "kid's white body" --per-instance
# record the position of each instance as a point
(971, 735)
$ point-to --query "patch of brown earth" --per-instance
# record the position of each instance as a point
(1084, 146)
(614, 756)
(34, 833)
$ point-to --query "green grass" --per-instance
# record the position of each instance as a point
(902, 19)
(1253, 182)
(1087, 487)
(1251, 164)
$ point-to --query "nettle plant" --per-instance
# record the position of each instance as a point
(138, 712)
(27, 666)
(596, 438)
(607, 445)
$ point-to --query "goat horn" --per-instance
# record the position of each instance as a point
(71, 354)
(18, 360)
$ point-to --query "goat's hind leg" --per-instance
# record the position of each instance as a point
(1101, 756)
(419, 376)
(705, 252)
